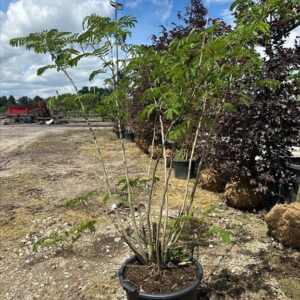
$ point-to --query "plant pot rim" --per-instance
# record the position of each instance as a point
(294, 167)
(182, 161)
(166, 296)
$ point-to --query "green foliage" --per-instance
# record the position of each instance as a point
(106, 198)
(197, 69)
(95, 73)
(137, 186)
(270, 84)
(180, 255)
(116, 108)
(40, 71)
(178, 132)
(3, 101)
(181, 154)
(229, 107)
(72, 203)
(223, 233)
(191, 218)
(253, 11)
(3, 109)
(53, 42)
(66, 238)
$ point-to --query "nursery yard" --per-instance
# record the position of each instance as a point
(41, 168)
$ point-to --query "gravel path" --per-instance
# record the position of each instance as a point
(18, 136)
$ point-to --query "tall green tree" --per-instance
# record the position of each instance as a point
(3, 101)
(193, 81)
(11, 99)
(24, 100)
(36, 99)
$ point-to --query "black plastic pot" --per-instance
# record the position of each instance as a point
(129, 136)
(118, 134)
(295, 168)
(189, 293)
(181, 168)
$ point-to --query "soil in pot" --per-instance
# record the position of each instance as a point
(145, 282)
(150, 281)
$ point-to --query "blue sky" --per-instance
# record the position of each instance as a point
(4, 5)
(151, 13)
(150, 16)
(21, 17)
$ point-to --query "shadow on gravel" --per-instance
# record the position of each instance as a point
(227, 285)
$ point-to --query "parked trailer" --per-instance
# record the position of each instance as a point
(22, 113)
(30, 113)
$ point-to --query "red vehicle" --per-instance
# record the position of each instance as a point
(29, 113)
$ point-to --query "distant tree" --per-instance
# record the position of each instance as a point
(11, 100)
(3, 101)
(36, 99)
(100, 92)
(62, 96)
(24, 100)
(51, 102)
(84, 90)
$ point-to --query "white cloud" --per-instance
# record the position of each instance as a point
(18, 66)
(289, 43)
(133, 4)
(165, 8)
(294, 35)
(261, 51)
(227, 16)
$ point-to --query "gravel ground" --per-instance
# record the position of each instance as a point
(42, 167)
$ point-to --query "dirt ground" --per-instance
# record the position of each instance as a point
(41, 168)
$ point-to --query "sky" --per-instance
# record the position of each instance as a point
(21, 17)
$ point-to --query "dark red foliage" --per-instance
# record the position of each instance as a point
(255, 142)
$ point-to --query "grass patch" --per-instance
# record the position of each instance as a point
(291, 287)
(66, 237)
(81, 200)
(19, 228)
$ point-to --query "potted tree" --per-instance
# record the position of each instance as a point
(209, 61)
(199, 71)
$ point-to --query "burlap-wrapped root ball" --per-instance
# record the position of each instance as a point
(143, 145)
(212, 180)
(284, 224)
(156, 152)
(240, 194)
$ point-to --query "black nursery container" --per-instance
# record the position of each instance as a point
(118, 135)
(189, 293)
(181, 168)
(129, 136)
(295, 168)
